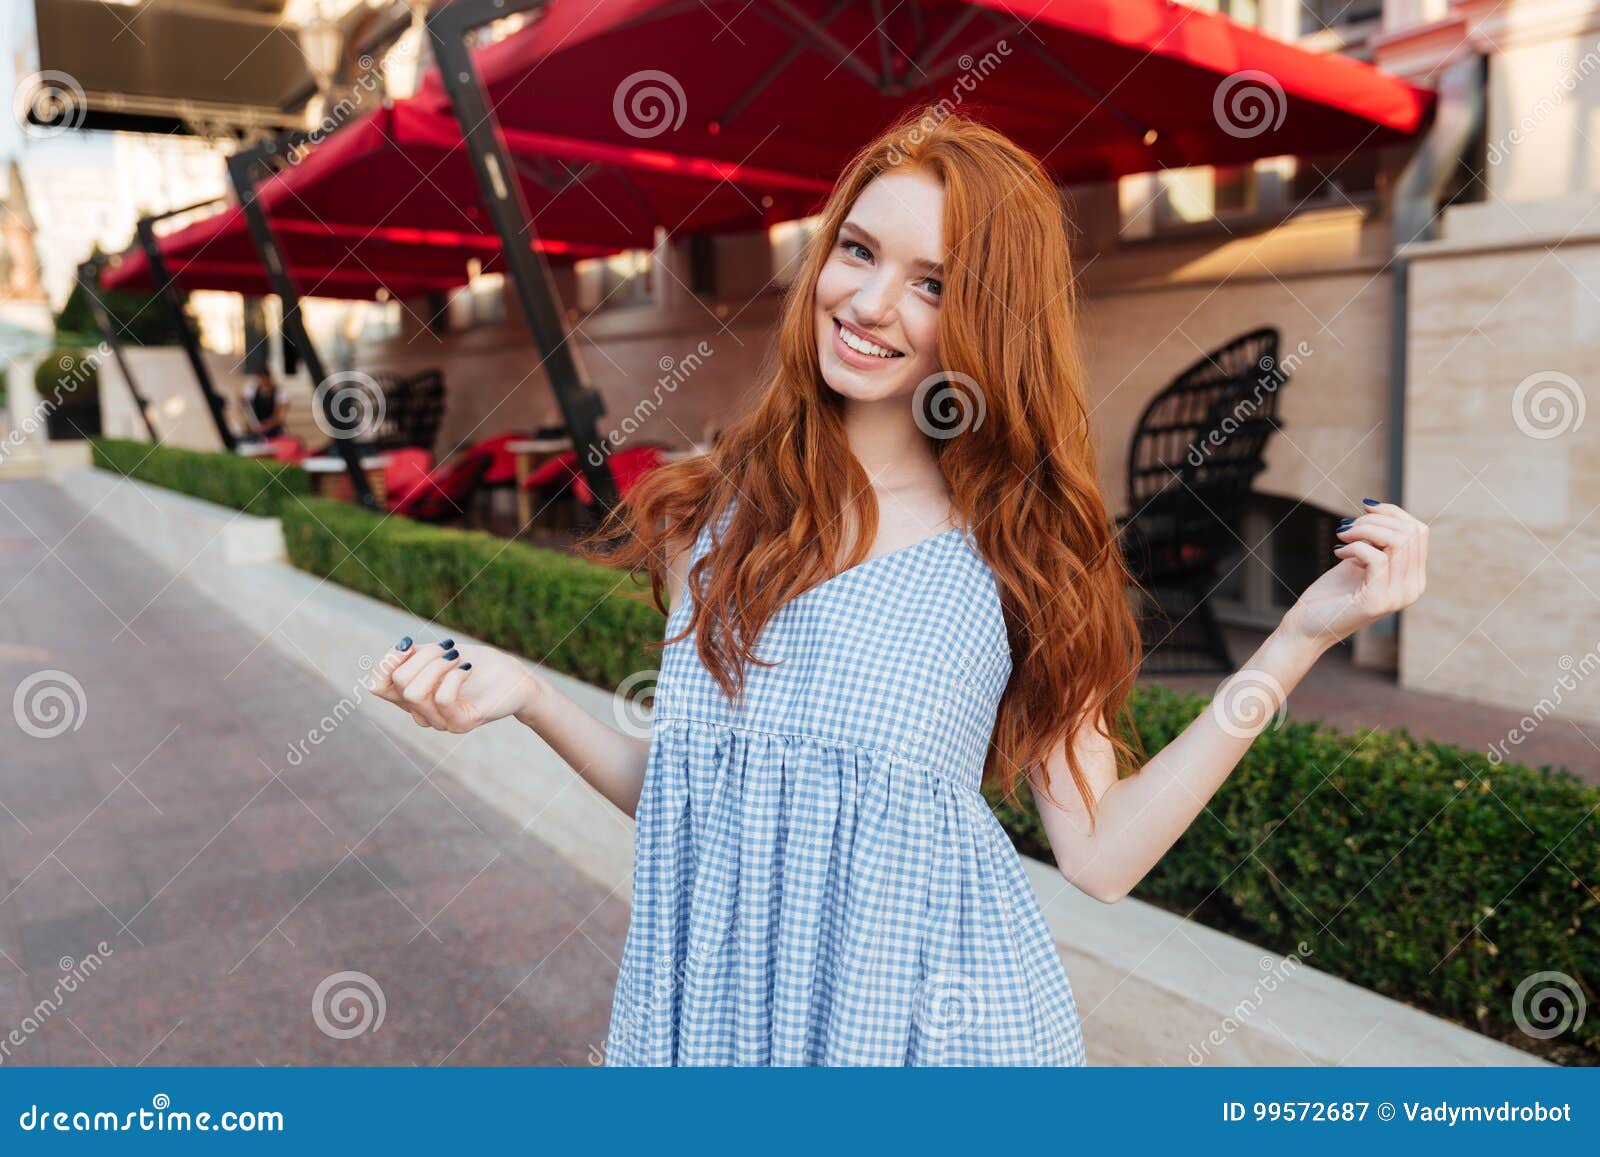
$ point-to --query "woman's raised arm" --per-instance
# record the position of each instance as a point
(1382, 570)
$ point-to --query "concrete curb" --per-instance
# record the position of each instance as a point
(1151, 988)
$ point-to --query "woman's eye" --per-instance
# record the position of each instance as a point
(847, 246)
(938, 286)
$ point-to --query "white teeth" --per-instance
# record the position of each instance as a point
(860, 345)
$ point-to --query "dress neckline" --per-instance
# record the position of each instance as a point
(897, 553)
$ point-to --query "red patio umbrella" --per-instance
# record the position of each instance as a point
(1095, 88)
(390, 201)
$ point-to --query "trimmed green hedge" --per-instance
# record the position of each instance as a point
(253, 485)
(67, 373)
(563, 612)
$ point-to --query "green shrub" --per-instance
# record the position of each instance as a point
(563, 612)
(1417, 870)
(138, 317)
(253, 485)
(68, 374)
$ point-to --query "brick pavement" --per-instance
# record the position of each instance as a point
(228, 883)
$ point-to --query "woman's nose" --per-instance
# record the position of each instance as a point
(874, 301)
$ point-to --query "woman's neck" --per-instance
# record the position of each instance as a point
(886, 441)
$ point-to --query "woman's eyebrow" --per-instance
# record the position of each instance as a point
(923, 262)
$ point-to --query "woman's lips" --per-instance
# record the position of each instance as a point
(850, 357)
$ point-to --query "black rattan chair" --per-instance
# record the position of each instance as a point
(413, 409)
(424, 409)
(1194, 456)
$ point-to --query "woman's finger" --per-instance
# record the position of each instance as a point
(383, 674)
(418, 659)
(1366, 555)
(449, 689)
(457, 714)
(419, 691)
(1376, 533)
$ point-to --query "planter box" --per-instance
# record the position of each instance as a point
(73, 420)
(180, 532)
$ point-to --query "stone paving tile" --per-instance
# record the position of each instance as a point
(228, 881)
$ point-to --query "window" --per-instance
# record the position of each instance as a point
(703, 265)
(1288, 545)
(1177, 197)
(1335, 178)
(789, 242)
(482, 301)
(617, 281)
(1246, 12)
(1315, 15)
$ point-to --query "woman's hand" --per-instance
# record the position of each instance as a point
(1382, 569)
(456, 691)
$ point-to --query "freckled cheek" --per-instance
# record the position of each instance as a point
(833, 287)
(922, 331)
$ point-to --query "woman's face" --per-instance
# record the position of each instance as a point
(881, 284)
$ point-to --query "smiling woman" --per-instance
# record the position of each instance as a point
(891, 585)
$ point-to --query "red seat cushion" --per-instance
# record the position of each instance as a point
(628, 467)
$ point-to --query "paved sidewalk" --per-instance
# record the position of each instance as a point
(228, 883)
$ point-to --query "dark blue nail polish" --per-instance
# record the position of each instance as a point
(404, 644)
(447, 643)
(1343, 522)
(452, 654)
(1370, 501)
(466, 666)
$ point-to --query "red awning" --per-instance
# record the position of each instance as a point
(390, 201)
(1095, 88)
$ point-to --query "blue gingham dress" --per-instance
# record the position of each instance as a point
(817, 878)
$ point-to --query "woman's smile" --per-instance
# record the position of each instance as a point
(859, 355)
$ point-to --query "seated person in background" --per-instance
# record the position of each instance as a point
(266, 407)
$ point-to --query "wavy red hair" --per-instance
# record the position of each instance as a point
(1024, 477)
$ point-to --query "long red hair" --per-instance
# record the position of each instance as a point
(1023, 477)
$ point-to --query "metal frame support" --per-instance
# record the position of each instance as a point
(172, 298)
(89, 282)
(492, 163)
(242, 166)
